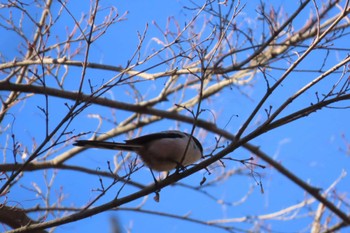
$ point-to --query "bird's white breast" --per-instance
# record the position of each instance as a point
(168, 153)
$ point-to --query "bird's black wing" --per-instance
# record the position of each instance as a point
(154, 136)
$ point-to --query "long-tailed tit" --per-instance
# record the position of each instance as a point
(161, 151)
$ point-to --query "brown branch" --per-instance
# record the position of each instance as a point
(31, 50)
(305, 112)
(16, 218)
(286, 74)
(34, 166)
(315, 192)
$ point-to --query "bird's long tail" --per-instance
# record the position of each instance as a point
(106, 145)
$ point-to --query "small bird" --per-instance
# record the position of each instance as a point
(161, 151)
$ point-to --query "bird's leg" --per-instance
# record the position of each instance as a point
(179, 167)
(155, 182)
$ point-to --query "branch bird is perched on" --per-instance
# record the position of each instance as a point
(161, 151)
